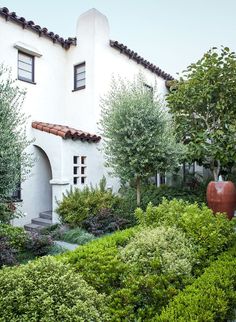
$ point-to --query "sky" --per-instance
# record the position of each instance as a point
(171, 34)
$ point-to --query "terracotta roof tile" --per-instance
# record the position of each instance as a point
(140, 60)
(66, 43)
(65, 132)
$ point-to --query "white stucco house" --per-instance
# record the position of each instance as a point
(65, 79)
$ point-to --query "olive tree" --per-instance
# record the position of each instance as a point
(203, 102)
(15, 162)
(137, 132)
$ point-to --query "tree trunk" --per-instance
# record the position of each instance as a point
(216, 170)
(138, 188)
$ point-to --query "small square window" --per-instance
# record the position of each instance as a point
(79, 76)
(82, 170)
(76, 180)
(25, 67)
(76, 170)
(83, 159)
(76, 160)
(83, 180)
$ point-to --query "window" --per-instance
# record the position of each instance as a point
(79, 170)
(25, 67)
(16, 194)
(148, 88)
(79, 76)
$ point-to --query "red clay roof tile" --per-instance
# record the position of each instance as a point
(65, 132)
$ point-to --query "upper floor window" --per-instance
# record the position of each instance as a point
(25, 67)
(79, 76)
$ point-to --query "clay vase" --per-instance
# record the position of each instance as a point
(221, 197)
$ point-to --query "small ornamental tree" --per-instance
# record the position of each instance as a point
(138, 133)
(15, 162)
(203, 103)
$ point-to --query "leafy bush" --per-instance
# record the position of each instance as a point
(211, 234)
(212, 297)
(153, 194)
(16, 236)
(159, 250)
(7, 212)
(7, 252)
(47, 290)
(104, 222)
(38, 244)
(77, 205)
(77, 236)
(138, 278)
(98, 261)
(158, 264)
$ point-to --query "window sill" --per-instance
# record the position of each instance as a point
(78, 89)
(27, 81)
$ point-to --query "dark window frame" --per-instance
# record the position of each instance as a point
(32, 81)
(76, 67)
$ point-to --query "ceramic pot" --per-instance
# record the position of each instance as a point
(221, 197)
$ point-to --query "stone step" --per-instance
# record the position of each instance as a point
(33, 227)
(46, 214)
(42, 222)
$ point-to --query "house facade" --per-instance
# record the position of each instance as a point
(65, 80)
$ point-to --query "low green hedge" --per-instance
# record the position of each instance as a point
(211, 234)
(98, 260)
(47, 290)
(135, 269)
(211, 298)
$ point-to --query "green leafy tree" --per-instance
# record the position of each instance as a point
(15, 162)
(138, 133)
(203, 103)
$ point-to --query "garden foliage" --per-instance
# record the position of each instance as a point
(203, 106)
(138, 133)
(78, 205)
(211, 234)
(47, 290)
(15, 162)
(212, 297)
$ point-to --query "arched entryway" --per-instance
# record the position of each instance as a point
(43, 175)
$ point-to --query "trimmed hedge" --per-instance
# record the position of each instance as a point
(211, 234)
(134, 268)
(47, 290)
(98, 260)
(211, 298)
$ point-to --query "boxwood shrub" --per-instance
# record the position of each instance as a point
(136, 270)
(212, 297)
(211, 234)
(47, 290)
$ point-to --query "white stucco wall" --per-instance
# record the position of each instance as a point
(53, 100)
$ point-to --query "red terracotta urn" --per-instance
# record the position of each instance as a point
(221, 197)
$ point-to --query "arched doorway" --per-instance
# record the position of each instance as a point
(42, 177)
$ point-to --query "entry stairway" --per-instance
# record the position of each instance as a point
(44, 220)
